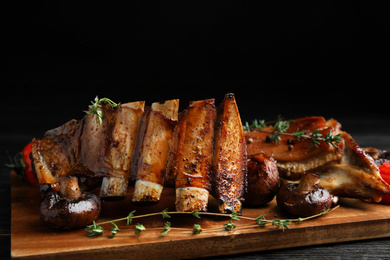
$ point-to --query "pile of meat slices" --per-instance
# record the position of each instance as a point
(200, 151)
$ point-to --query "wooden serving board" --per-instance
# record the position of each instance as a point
(354, 220)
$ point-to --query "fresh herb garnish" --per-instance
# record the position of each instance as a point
(114, 230)
(96, 229)
(167, 228)
(229, 226)
(197, 229)
(139, 228)
(280, 127)
(97, 104)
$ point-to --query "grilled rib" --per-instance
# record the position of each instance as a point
(172, 164)
(194, 155)
(150, 157)
(230, 158)
(120, 141)
(53, 156)
(89, 149)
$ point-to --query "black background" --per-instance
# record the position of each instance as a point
(294, 58)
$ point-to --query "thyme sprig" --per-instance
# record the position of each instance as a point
(96, 229)
(114, 230)
(97, 104)
(280, 127)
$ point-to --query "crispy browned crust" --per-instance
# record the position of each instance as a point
(88, 148)
(356, 176)
(195, 150)
(117, 148)
(123, 135)
(53, 156)
(152, 153)
(296, 157)
(174, 143)
(230, 158)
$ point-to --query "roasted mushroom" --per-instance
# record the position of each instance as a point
(306, 198)
(263, 180)
(379, 156)
(69, 208)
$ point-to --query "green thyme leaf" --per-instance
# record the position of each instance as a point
(281, 223)
(261, 221)
(130, 217)
(229, 226)
(299, 134)
(94, 230)
(315, 137)
(281, 126)
(234, 215)
(139, 228)
(167, 228)
(114, 230)
(164, 213)
(97, 104)
(331, 139)
(195, 213)
(197, 229)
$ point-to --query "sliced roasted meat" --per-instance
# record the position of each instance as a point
(230, 158)
(91, 149)
(119, 144)
(193, 156)
(263, 180)
(151, 153)
(174, 143)
(54, 156)
(356, 176)
(296, 157)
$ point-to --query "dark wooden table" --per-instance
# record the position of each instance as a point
(361, 129)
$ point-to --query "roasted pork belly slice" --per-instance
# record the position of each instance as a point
(230, 158)
(194, 156)
(296, 157)
(53, 156)
(117, 143)
(95, 140)
(356, 176)
(49, 163)
(92, 150)
(172, 163)
(151, 153)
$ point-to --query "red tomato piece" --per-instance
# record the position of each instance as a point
(385, 174)
(29, 175)
(21, 164)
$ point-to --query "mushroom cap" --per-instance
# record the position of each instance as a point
(263, 180)
(62, 213)
(303, 204)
